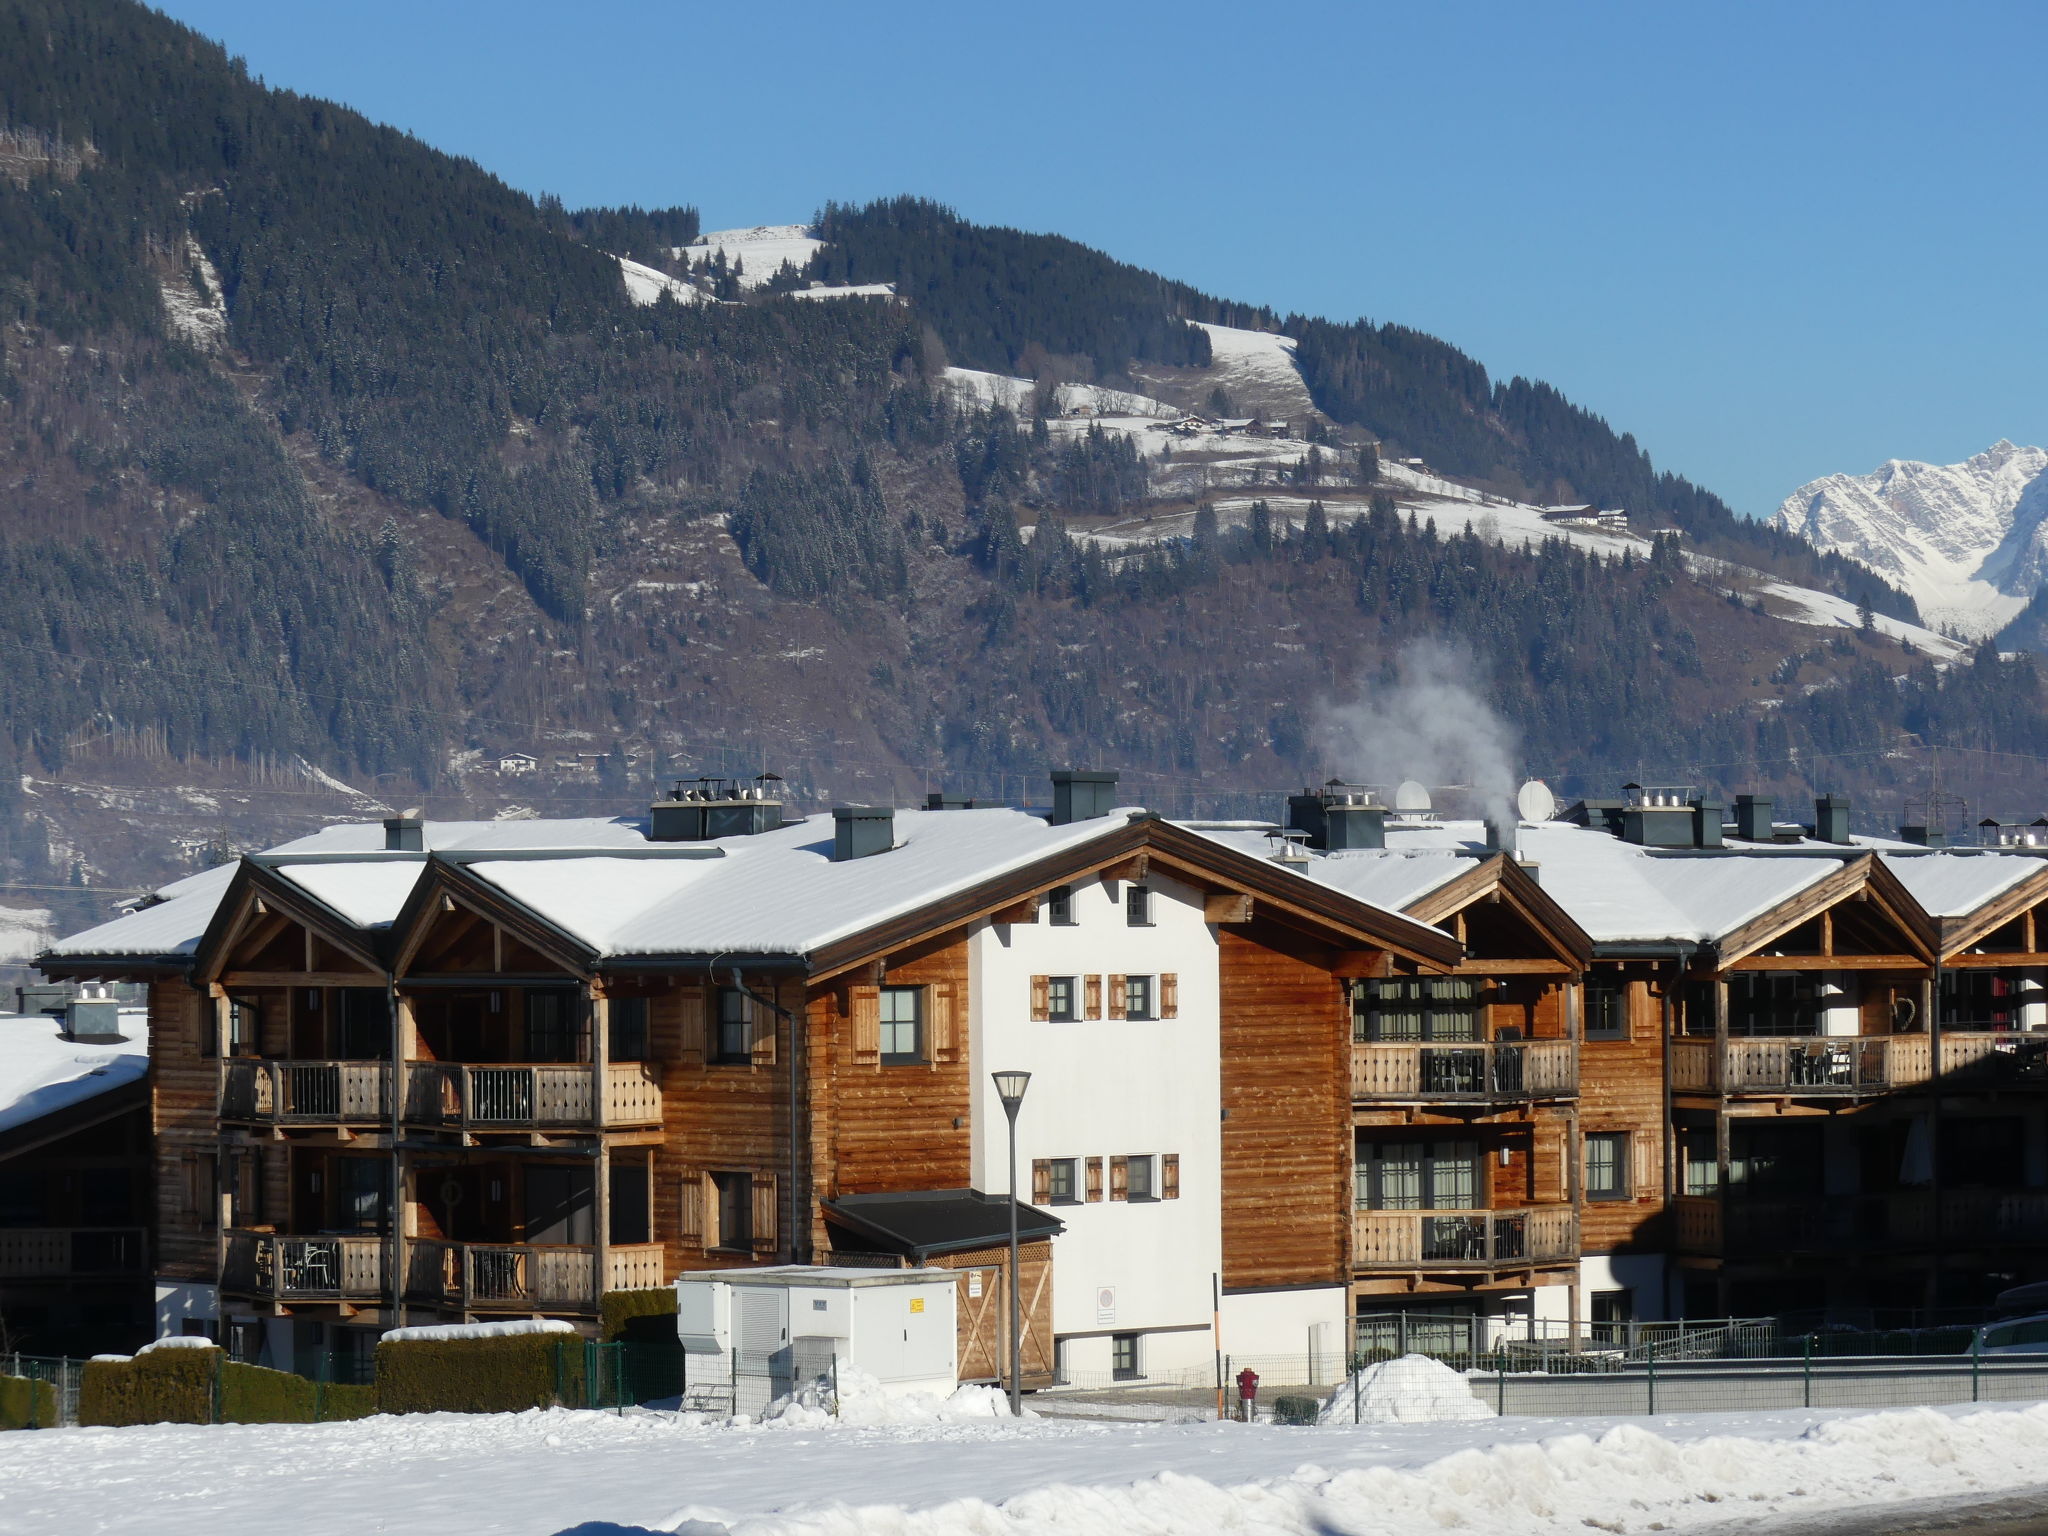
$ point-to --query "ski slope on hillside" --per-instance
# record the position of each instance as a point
(760, 250)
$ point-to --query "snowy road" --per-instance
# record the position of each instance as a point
(539, 1474)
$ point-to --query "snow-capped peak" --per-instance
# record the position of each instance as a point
(1967, 540)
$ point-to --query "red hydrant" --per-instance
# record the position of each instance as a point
(1247, 1393)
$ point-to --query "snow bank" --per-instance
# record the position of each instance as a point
(504, 1330)
(1411, 1390)
(178, 1341)
(865, 1403)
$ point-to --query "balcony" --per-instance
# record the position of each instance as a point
(531, 1096)
(337, 1267)
(1464, 1240)
(1480, 1072)
(1835, 1224)
(525, 1276)
(1826, 1066)
(306, 1092)
(71, 1253)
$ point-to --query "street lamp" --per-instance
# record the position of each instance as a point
(1010, 1088)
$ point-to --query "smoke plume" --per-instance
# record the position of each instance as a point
(1432, 724)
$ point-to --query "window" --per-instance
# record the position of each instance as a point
(626, 1038)
(365, 1024)
(1610, 1314)
(1059, 906)
(1138, 1181)
(1123, 1356)
(555, 1026)
(1607, 1165)
(1138, 906)
(244, 1023)
(902, 1025)
(1772, 1003)
(1606, 1008)
(1418, 1176)
(1060, 1188)
(1980, 1000)
(359, 1192)
(1138, 998)
(1061, 1002)
(731, 1028)
(735, 1192)
(1416, 1008)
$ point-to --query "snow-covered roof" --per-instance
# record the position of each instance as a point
(369, 893)
(41, 1073)
(1956, 882)
(1390, 878)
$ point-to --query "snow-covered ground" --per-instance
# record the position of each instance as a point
(645, 285)
(537, 1474)
(1257, 370)
(760, 250)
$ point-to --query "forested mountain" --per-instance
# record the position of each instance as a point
(323, 453)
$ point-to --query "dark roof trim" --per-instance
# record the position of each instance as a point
(922, 1223)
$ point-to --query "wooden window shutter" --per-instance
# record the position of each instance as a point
(690, 1022)
(1169, 1176)
(1169, 995)
(761, 1023)
(1041, 1181)
(1092, 987)
(939, 1021)
(690, 1207)
(1119, 1178)
(1643, 1153)
(1041, 998)
(1094, 1179)
(765, 1209)
(866, 1003)
(1119, 998)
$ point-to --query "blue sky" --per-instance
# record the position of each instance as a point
(1773, 241)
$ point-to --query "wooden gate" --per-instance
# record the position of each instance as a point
(984, 1311)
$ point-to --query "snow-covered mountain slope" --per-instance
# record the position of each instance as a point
(759, 251)
(1966, 540)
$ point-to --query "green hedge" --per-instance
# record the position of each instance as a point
(637, 1315)
(502, 1375)
(17, 1392)
(165, 1386)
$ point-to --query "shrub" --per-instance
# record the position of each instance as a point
(345, 1400)
(250, 1394)
(17, 1393)
(1295, 1410)
(497, 1375)
(637, 1314)
(164, 1386)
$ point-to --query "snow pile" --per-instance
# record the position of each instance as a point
(178, 1341)
(865, 1403)
(1411, 1390)
(503, 1330)
(40, 1072)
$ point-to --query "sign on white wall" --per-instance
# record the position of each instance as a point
(1105, 1304)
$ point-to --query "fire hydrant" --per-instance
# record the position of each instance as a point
(1247, 1393)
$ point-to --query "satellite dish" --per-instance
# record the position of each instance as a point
(1535, 801)
(1411, 798)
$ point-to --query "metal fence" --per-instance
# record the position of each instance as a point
(739, 1381)
(1809, 1380)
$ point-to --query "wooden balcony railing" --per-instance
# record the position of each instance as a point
(523, 1276)
(1464, 1240)
(1835, 1065)
(71, 1253)
(285, 1268)
(516, 1096)
(1518, 1069)
(306, 1092)
(1899, 1220)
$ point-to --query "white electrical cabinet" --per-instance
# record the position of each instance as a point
(793, 1322)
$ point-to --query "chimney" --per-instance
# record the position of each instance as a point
(404, 834)
(1753, 818)
(1706, 823)
(1081, 794)
(1926, 837)
(1338, 817)
(859, 831)
(936, 801)
(1657, 818)
(48, 997)
(1831, 818)
(94, 1020)
(1496, 836)
(697, 810)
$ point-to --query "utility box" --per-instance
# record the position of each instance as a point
(790, 1324)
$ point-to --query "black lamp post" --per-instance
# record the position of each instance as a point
(1010, 1088)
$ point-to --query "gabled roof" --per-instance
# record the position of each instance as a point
(1971, 892)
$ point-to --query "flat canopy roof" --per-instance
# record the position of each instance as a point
(920, 1223)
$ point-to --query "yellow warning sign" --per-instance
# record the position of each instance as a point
(917, 1303)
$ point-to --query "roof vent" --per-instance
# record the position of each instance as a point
(1831, 818)
(1707, 825)
(46, 997)
(1753, 818)
(1290, 847)
(94, 1019)
(1925, 836)
(860, 831)
(1081, 794)
(1338, 816)
(935, 801)
(1657, 816)
(697, 810)
(404, 834)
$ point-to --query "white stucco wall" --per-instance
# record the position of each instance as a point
(1287, 1322)
(177, 1300)
(1107, 1088)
